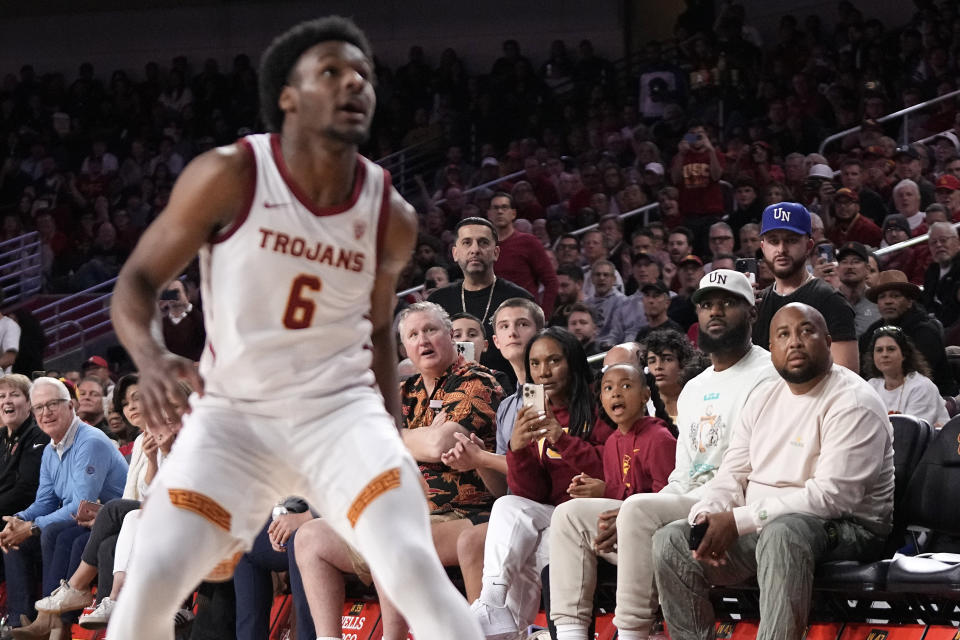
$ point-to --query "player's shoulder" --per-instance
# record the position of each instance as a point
(226, 165)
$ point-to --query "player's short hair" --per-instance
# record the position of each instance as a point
(536, 313)
(475, 221)
(281, 57)
(424, 307)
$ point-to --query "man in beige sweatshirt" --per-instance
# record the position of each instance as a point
(808, 477)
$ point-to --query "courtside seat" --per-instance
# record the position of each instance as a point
(932, 503)
(934, 573)
(911, 436)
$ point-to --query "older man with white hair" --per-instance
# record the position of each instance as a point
(941, 284)
(906, 201)
(79, 463)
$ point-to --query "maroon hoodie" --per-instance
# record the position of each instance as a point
(543, 472)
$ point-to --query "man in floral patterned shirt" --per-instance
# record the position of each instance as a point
(447, 396)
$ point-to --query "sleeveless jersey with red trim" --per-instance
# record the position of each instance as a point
(286, 288)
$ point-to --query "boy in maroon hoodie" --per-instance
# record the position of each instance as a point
(637, 458)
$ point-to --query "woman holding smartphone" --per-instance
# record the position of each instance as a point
(551, 444)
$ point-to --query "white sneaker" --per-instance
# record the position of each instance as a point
(64, 598)
(99, 617)
(497, 623)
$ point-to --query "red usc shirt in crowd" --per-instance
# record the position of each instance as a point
(699, 193)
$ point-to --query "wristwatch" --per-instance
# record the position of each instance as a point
(34, 530)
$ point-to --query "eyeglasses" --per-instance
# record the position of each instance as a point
(48, 406)
(725, 303)
(721, 238)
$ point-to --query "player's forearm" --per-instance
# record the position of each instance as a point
(7, 359)
(384, 368)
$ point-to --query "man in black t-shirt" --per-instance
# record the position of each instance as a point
(480, 292)
(786, 242)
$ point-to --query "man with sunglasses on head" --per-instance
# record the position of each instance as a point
(79, 463)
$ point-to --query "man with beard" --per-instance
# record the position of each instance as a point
(569, 292)
(621, 532)
(786, 242)
(808, 477)
(480, 292)
(941, 287)
(853, 270)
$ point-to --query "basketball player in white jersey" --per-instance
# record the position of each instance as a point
(301, 241)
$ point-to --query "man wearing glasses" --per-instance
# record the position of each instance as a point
(79, 463)
(523, 259)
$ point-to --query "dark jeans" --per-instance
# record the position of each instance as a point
(56, 560)
(24, 570)
(100, 548)
(253, 584)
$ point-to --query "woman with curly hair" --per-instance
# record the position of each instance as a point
(901, 376)
(668, 353)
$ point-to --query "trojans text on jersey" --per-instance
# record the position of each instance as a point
(314, 251)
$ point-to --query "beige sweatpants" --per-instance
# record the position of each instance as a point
(573, 559)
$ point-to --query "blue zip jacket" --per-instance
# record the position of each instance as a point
(92, 469)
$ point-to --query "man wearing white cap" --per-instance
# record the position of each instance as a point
(706, 408)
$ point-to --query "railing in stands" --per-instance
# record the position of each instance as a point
(422, 158)
(645, 210)
(89, 314)
(21, 275)
(486, 185)
(907, 243)
(902, 113)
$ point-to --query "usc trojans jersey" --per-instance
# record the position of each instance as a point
(286, 287)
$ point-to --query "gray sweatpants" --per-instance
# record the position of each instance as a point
(782, 556)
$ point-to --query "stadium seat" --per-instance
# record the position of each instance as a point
(931, 582)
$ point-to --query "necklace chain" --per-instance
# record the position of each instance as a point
(463, 301)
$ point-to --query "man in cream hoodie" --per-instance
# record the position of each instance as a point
(808, 477)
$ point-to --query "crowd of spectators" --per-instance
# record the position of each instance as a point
(718, 128)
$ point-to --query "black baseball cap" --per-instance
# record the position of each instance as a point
(657, 286)
(856, 248)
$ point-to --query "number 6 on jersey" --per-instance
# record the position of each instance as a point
(300, 309)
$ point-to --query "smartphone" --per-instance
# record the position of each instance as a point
(533, 396)
(747, 266)
(170, 294)
(697, 532)
(691, 138)
(467, 350)
(429, 283)
(827, 252)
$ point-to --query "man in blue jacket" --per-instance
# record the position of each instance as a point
(79, 463)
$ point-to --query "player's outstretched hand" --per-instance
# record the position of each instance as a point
(159, 392)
